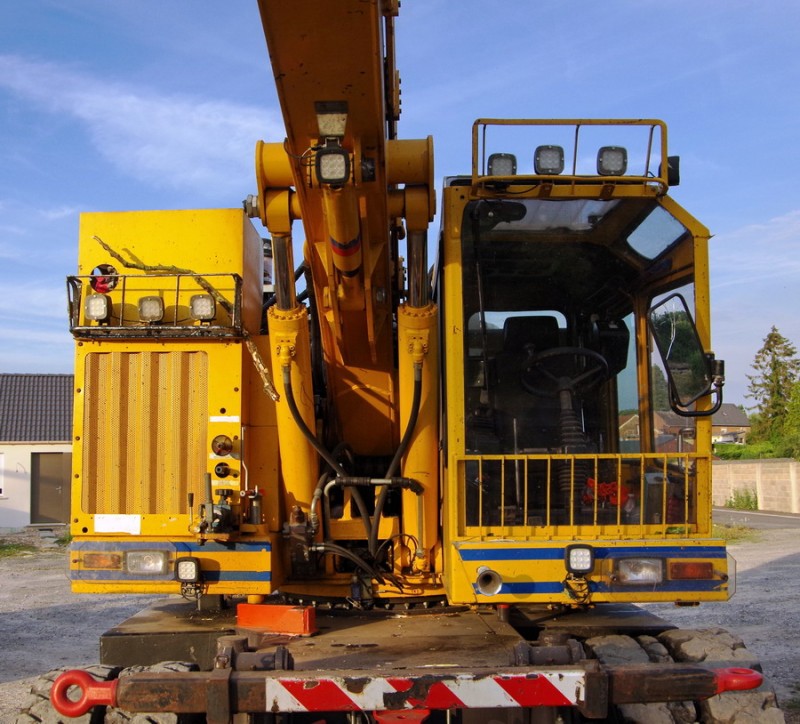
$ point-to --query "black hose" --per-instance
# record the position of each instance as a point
(298, 419)
(380, 503)
(352, 557)
(319, 447)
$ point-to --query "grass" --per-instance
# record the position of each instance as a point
(742, 500)
(14, 549)
(735, 533)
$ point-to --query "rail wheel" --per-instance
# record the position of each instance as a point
(714, 647)
(120, 716)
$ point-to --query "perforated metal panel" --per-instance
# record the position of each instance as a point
(144, 440)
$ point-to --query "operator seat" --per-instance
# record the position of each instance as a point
(526, 422)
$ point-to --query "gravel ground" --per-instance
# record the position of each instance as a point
(43, 625)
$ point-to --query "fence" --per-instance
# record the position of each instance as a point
(776, 483)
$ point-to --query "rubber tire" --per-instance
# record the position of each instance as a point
(39, 710)
(120, 716)
(715, 647)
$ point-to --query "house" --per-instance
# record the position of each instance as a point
(675, 433)
(730, 424)
(35, 449)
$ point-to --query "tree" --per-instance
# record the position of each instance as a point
(660, 388)
(777, 369)
(791, 425)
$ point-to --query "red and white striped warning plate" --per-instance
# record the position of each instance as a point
(305, 691)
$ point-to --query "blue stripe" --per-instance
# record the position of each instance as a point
(545, 587)
(208, 576)
(552, 554)
(112, 546)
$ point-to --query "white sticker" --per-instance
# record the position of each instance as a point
(131, 524)
(224, 418)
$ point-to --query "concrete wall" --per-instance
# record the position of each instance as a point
(15, 480)
(776, 483)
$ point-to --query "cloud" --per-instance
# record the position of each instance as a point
(754, 284)
(757, 253)
(164, 140)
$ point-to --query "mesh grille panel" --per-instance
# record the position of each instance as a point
(145, 421)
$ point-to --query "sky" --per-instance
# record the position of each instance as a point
(145, 104)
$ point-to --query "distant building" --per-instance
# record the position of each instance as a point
(730, 424)
(674, 433)
(35, 449)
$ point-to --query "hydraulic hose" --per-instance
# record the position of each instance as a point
(319, 447)
(398, 456)
(316, 444)
(352, 557)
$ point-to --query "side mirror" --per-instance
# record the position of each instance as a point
(691, 372)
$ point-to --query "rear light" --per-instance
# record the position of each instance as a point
(146, 562)
(639, 571)
(109, 561)
(691, 570)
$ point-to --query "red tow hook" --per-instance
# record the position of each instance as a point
(736, 679)
(92, 693)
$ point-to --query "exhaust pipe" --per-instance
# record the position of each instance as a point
(488, 582)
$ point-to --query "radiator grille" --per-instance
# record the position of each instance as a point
(144, 435)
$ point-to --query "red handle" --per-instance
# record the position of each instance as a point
(735, 679)
(92, 693)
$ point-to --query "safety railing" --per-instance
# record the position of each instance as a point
(571, 152)
(155, 305)
(534, 495)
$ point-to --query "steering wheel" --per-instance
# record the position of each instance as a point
(550, 372)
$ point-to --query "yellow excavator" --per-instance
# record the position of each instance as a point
(375, 489)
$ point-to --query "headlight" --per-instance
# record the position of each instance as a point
(502, 164)
(146, 562)
(548, 160)
(187, 570)
(612, 161)
(97, 307)
(151, 309)
(640, 571)
(202, 307)
(579, 559)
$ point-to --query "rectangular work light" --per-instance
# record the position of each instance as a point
(333, 165)
(502, 164)
(202, 307)
(612, 161)
(187, 570)
(548, 160)
(579, 559)
(151, 309)
(97, 307)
